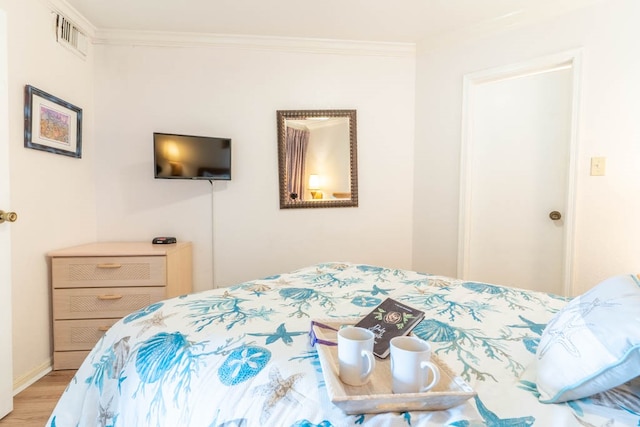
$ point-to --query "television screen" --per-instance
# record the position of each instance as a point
(191, 157)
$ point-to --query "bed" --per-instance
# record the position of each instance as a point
(241, 356)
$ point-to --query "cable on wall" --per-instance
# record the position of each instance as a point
(213, 270)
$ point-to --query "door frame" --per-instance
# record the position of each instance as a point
(570, 59)
(6, 374)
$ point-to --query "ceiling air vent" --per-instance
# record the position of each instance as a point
(70, 36)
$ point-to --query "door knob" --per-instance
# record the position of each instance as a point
(8, 216)
(555, 215)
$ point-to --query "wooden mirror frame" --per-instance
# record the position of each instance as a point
(285, 201)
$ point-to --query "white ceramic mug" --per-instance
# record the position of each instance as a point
(355, 355)
(410, 365)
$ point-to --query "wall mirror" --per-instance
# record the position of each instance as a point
(317, 158)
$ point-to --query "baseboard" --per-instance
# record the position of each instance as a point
(25, 380)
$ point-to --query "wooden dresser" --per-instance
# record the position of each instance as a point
(95, 285)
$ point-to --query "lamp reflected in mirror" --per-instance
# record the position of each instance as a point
(317, 158)
(314, 187)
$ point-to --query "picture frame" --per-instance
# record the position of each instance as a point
(51, 124)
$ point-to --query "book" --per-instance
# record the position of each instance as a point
(389, 319)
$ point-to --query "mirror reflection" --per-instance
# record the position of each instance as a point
(317, 158)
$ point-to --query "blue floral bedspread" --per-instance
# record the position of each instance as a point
(240, 356)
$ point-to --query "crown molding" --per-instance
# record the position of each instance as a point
(289, 44)
(183, 39)
(509, 22)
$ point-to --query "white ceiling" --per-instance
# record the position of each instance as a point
(358, 20)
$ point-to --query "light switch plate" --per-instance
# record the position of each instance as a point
(598, 166)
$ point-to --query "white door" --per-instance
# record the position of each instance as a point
(518, 155)
(6, 365)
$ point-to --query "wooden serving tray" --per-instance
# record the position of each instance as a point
(376, 396)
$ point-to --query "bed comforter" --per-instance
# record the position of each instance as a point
(240, 356)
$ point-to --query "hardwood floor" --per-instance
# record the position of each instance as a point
(33, 406)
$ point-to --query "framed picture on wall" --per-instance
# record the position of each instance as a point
(51, 124)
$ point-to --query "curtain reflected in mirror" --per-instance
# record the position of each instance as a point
(317, 158)
(296, 148)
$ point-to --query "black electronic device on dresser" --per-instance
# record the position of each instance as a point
(163, 240)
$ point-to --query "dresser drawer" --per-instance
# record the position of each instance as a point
(102, 303)
(68, 359)
(79, 334)
(85, 272)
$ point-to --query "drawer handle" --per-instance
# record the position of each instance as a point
(109, 297)
(103, 328)
(109, 265)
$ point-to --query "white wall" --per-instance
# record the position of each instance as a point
(53, 195)
(607, 208)
(235, 92)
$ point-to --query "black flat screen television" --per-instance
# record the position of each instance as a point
(191, 157)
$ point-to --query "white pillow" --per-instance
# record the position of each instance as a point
(593, 343)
